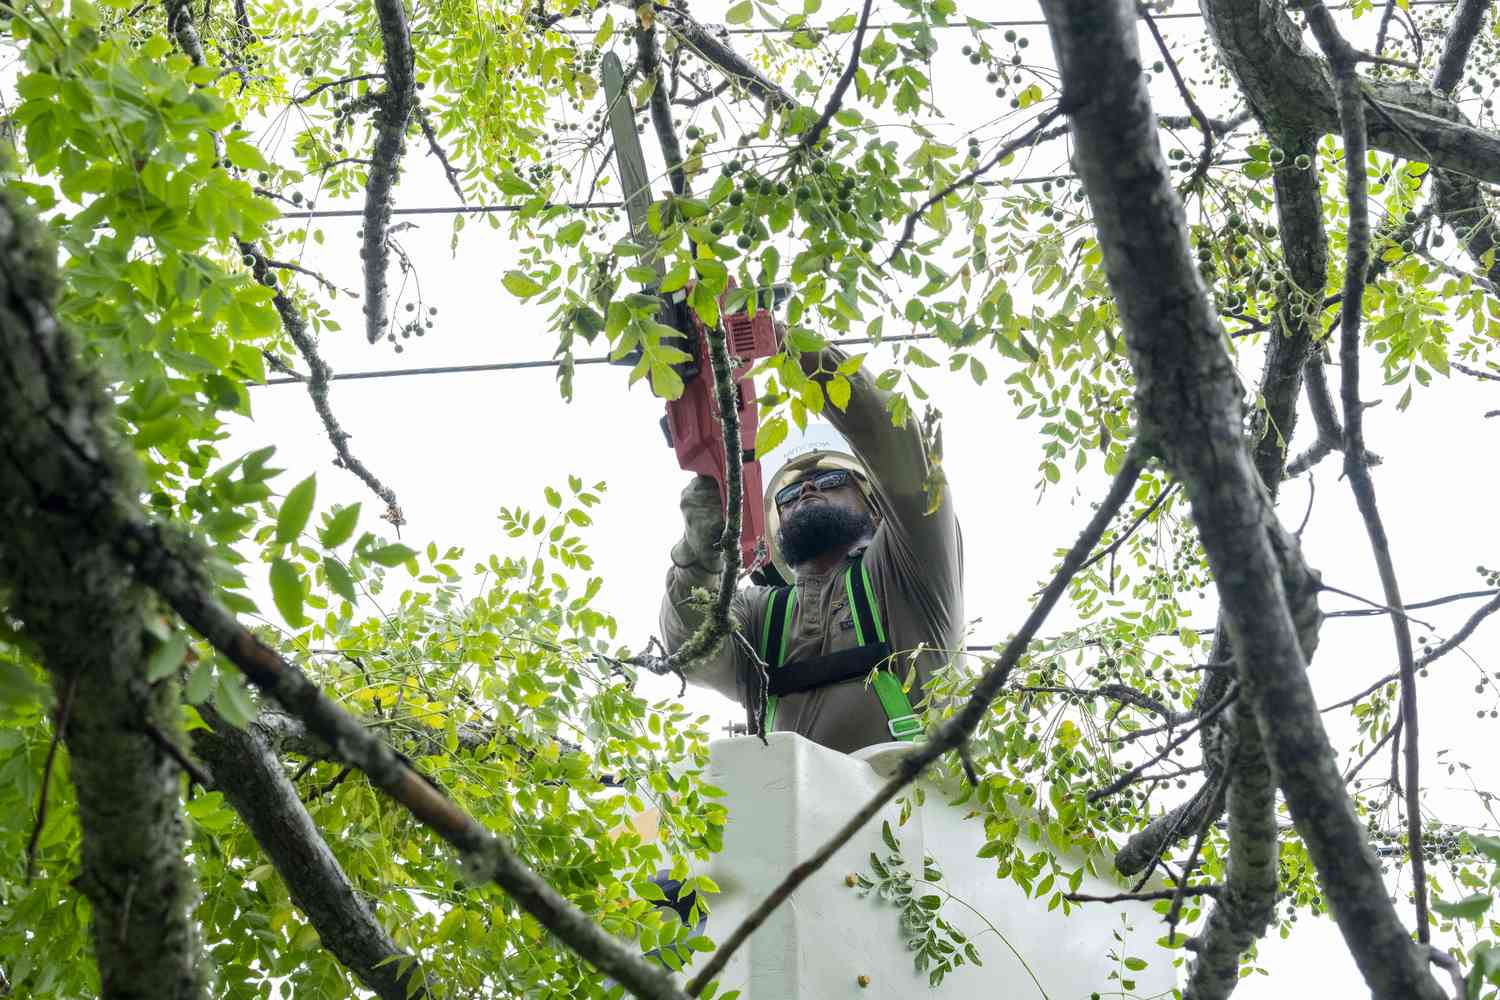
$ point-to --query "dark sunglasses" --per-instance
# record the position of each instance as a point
(823, 481)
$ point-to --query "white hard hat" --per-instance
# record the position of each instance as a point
(818, 446)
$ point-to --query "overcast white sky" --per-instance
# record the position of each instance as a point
(457, 447)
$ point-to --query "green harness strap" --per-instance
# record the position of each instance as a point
(868, 630)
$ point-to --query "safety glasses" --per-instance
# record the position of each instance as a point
(823, 481)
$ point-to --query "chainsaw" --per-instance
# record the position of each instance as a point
(692, 425)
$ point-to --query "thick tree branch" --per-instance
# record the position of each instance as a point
(393, 110)
(1291, 87)
(950, 736)
(1188, 401)
(85, 617)
(648, 58)
(718, 54)
(257, 788)
(1244, 907)
(1468, 18)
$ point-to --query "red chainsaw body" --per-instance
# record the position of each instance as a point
(694, 426)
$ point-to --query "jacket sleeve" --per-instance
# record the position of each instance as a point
(926, 544)
(681, 615)
(695, 568)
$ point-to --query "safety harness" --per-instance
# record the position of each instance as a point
(872, 653)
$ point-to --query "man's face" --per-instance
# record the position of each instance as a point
(822, 518)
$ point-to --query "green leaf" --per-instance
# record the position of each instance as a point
(770, 433)
(1488, 846)
(606, 32)
(1469, 908)
(520, 284)
(339, 580)
(233, 700)
(739, 13)
(340, 527)
(200, 682)
(1135, 964)
(286, 591)
(167, 657)
(391, 555)
(572, 232)
(888, 835)
(295, 510)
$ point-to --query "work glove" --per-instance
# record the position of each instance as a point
(702, 527)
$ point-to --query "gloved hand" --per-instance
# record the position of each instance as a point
(702, 527)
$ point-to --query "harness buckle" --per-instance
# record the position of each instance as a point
(904, 726)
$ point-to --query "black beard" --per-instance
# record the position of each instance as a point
(812, 531)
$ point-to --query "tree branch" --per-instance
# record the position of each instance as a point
(84, 614)
(437, 150)
(393, 109)
(949, 736)
(1189, 409)
(256, 787)
(1024, 139)
(836, 99)
(1468, 18)
(1349, 91)
(319, 376)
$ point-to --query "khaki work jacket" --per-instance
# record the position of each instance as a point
(915, 562)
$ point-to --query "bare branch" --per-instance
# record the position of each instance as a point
(1144, 897)
(1350, 96)
(1206, 157)
(836, 99)
(437, 150)
(329, 84)
(319, 376)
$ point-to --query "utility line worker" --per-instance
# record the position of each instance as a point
(875, 577)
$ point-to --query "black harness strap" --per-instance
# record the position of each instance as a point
(830, 668)
(776, 623)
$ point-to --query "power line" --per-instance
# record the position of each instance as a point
(976, 24)
(503, 366)
(351, 213)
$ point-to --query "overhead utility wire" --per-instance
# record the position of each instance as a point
(503, 366)
(979, 25)
(350, 213)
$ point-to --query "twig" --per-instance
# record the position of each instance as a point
(437, 150)
(190, 767)
(330, 784)
(1402, 611)
(1174, 912)
(1475, 372)
(836, 99)
(314, 92)
(1385, 25)
(282, 265)
(948, 736)
(1442, 649)
(1114, 546)
(1201, 170)
(319, 375)
(1133, 775)
(1115, 692)
(65, 707)
(1144, 897)
(1006, 150)
(393, 108)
